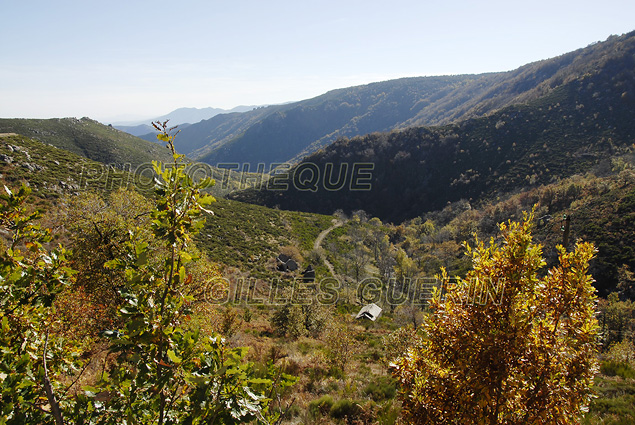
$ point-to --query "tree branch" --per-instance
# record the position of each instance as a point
(48, 388)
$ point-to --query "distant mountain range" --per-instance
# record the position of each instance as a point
(181, 117)
(283, 133)
(577, 115)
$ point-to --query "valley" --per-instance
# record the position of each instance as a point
(158, 289)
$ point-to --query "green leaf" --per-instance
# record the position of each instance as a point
(142, 259)
(257, 381)
(173, 357)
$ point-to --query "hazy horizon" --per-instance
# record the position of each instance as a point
(124, 62)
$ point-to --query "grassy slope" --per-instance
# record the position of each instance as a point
(52, 172)
(90, 139)
(240, 235)
(248, 237)
(107, 145)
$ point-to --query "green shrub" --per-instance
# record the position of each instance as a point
(300, 320)
(383, 389)
(315, 374)
(304, 347)
(321, 406)
(619, 408)
(345, 408)
(621, 369)
(293, 411)
(347, 309)
(336, 372)
(615, 402)
(388, 413)
(248, 315)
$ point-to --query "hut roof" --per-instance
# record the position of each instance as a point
(371, 311)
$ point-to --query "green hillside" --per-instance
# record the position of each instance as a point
(53, 172)
(575, 128)
(289, 132)
(90, 139)
(245, 236)
(581, 128)
(249, 237)
(243, 240)
(159, 316)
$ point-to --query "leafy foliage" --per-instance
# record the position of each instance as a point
(549, 137)
(341, 344)
(165, 370)
(30, 278)
(298, 319)
(100, 230)
(505, 345)
(165, 373)
(617, 321)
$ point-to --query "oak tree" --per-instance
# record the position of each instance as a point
(506, 344)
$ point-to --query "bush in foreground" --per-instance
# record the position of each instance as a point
(504, 345)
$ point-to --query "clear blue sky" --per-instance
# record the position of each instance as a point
(112, 60)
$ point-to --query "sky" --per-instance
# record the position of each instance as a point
(133, 59)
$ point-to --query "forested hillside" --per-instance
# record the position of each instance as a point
(576, 128)
(581, 128)
(288, 132)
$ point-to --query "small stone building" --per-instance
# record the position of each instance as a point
(286, 263)
(309, 274)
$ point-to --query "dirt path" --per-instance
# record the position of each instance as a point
(318, 243)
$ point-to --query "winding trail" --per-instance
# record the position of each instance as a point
(320, 239)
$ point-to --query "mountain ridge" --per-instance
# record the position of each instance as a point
(88, 138)
(574, 128)
(182, 117)
(287, 133)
